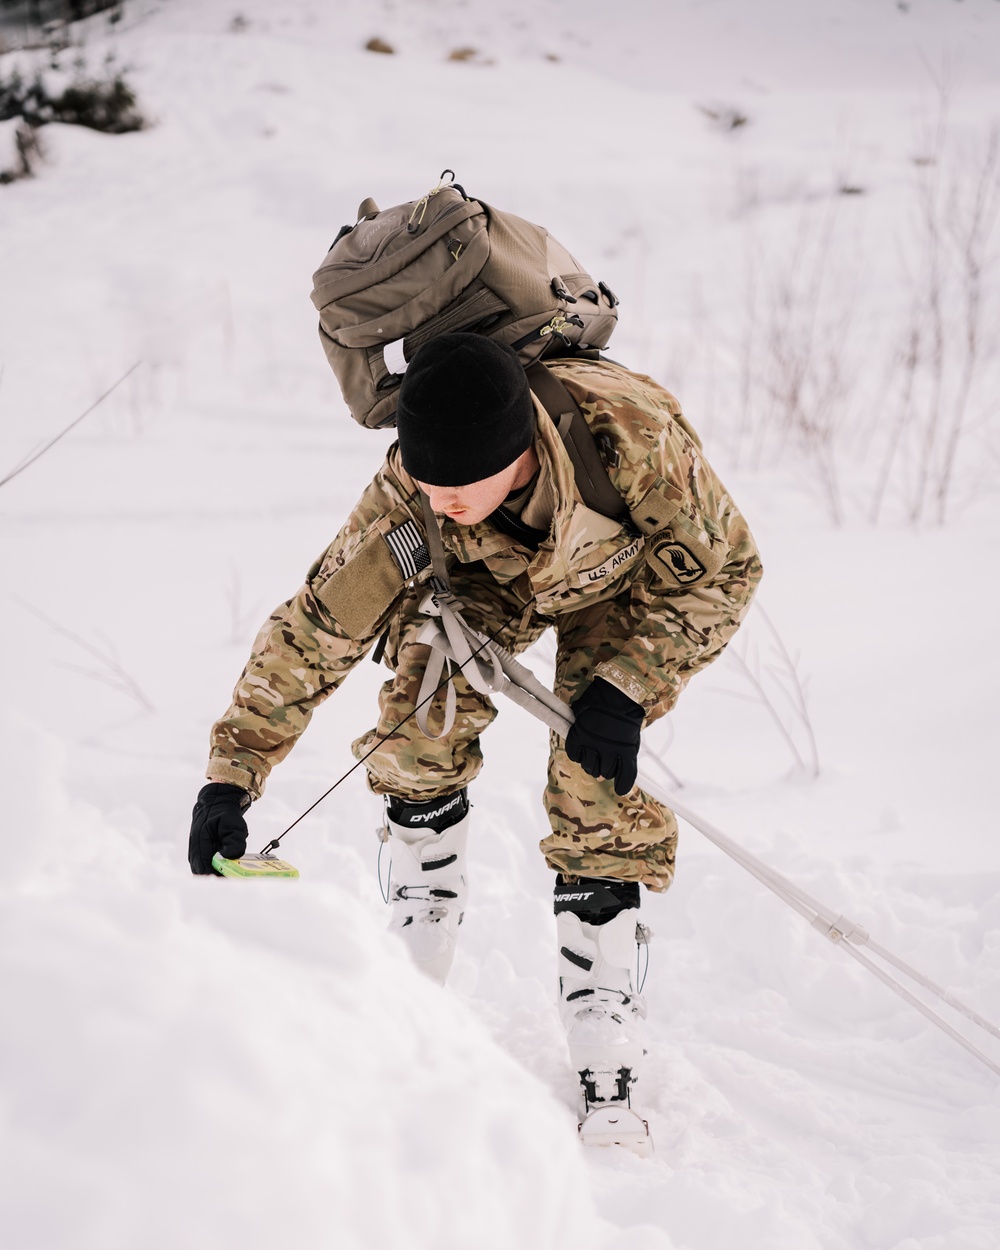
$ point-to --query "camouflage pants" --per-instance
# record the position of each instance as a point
(594, 832)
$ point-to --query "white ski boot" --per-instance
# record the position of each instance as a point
(427, 880)
(603, 1014)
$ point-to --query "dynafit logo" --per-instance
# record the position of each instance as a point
(679, 560)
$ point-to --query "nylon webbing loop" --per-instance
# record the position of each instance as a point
(451, 639)
(488, 667)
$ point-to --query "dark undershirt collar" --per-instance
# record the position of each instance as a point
(508, 523)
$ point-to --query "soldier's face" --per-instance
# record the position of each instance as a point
(469, 504)
(473, 503)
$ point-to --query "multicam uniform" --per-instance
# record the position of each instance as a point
(642, 605)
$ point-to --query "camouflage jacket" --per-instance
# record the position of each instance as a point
(686, 557)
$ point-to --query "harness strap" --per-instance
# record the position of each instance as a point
(491, 670)
(486, 666)
(435, 546)
(589, 470)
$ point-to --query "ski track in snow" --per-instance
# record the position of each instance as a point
(210, 1066)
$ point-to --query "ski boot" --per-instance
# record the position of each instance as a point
(603, 1014)
(427, 884)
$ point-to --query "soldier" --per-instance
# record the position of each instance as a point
(637, 608)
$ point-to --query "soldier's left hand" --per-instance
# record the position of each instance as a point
(604, 737)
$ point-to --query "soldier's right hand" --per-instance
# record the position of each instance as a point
(217, 824)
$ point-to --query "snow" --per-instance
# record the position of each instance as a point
(212, 1064)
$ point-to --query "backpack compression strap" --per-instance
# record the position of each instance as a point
(591, 476)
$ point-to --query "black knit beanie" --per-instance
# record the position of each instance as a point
(464, 410)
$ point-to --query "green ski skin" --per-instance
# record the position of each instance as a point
(253, 866)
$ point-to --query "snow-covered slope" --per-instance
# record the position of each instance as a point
(212, 1064)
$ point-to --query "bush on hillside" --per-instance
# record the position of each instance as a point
(107, 104)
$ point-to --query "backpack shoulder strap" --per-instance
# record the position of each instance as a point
(591, 475)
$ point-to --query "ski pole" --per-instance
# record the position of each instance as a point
(843, 932)
(521, 685)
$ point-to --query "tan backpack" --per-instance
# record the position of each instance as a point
(439, 264)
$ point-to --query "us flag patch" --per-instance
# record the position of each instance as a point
(408, 549)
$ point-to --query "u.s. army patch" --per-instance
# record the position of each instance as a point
(613, 565)
(675, 561)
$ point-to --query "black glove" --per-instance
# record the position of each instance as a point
(604, 738)
(217, 824)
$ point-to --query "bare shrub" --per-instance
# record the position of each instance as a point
(28, 153)
(776, 682)
(108, 670)
(796, 373)
(241, 616)
(724, 116)
(29, 149)
(45, 447)
(943, 367)
(822, 377)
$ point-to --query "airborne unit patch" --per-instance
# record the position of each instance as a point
(680, 561)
